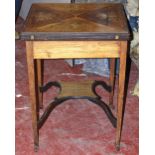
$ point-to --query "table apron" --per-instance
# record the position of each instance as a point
(75, 49)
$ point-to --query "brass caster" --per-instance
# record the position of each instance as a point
(36, 148)
(117, 147)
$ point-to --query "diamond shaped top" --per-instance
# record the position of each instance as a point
(76, 22)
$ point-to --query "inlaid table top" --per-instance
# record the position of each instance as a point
(76, 22)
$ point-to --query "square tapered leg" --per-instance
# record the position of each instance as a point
(121, 83)
(32, 90)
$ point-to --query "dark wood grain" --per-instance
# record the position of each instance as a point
(76, 21)
(39, 81)
(112, 81)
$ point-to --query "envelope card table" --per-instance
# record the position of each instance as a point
(69, 31)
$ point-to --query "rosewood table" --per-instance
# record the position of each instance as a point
(62, 31)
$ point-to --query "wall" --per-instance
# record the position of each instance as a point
(27, 4)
